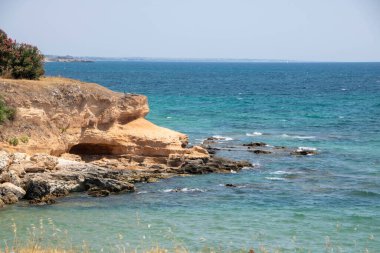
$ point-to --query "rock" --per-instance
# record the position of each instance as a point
(11, 177)
(255, 144)
(152, 180)
(230, 185)
(110, 185)
(37, 189)
(304, 151)
(213, 165)
(2, 204)
(9, 198)
(68, 116)
(35, 169)
(98, 193)
(260, 151)
(45, 161)
(20, 158)
(5, 161)
(6, 188)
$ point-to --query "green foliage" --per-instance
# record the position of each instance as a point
(13, 141)
(19, 60)
(24, 139)
(6, 113)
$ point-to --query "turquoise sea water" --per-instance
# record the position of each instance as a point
(322, 203)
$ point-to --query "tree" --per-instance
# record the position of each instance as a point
(19, 60)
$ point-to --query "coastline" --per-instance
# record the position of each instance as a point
(94, 140)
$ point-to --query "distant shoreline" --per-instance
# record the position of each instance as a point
(68, 58)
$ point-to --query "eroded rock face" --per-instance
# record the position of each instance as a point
(57, 115)
(82, 137)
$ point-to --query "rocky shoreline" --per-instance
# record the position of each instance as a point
(70, 136)
(41, 178)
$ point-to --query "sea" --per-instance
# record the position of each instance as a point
(328, 202)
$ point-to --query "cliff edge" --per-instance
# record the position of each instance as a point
(70, 136)
(60, 115)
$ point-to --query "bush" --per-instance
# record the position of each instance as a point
(19, 60)
(13, 141)
(6, 113)
(24, 139)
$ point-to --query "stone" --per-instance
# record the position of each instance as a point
(37, 189)
(260, 151)
(6, 188)
(9, 198)
(304, 151)
(46, 161)
(5, 160)
(255, 144)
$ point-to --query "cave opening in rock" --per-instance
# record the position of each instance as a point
(92, 149)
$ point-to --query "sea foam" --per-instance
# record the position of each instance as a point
(254, 134)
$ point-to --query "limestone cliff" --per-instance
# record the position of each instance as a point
(59, 115)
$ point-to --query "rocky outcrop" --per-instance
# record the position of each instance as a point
(81, 137)
(57, 115)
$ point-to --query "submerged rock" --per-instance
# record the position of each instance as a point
(260, 151)
(255, 144)
(304, 151)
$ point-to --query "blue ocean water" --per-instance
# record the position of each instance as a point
(329, 202)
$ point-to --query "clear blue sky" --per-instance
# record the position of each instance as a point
(309, 30)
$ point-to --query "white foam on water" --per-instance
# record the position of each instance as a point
(183, 190)
(142, 192)
(168, 117)
(275, 178)
(279, 172)
(254, 134)
(222, 138)
(301, 137)
(306, 149)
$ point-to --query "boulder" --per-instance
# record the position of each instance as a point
(6, 188)
(46, 161)
(5, 161)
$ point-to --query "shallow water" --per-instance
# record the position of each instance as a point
(330, 200)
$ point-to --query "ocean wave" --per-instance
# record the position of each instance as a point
(222, 138)
(142, 192)
(275, 178)
(306, 149)
(254, 134)
(183, 190)
(301, 137)
(280, 172)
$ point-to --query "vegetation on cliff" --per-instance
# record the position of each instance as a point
(19, 60)
(6, 113)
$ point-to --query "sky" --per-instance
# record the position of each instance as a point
(302, 30)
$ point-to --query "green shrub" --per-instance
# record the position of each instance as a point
(13, 141)
(6, 113)
(24, 139)
(19, 60)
